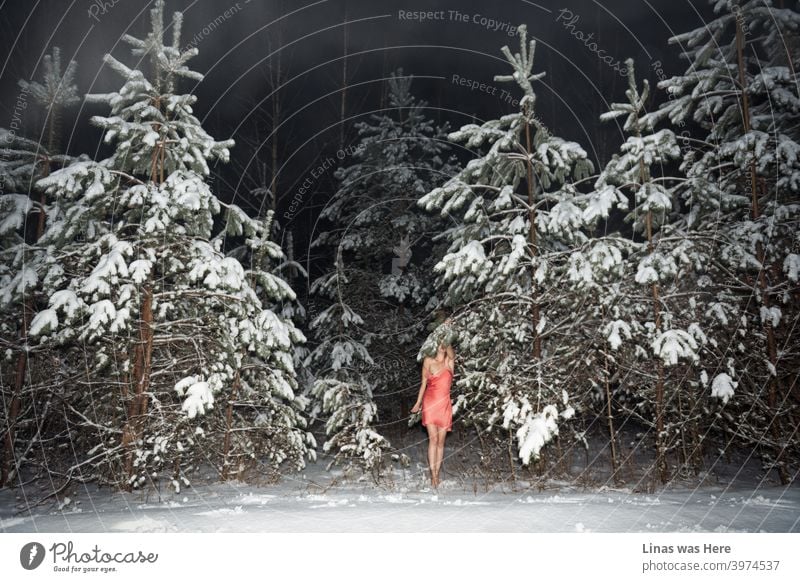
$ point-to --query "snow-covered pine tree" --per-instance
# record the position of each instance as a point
(265, 418)
(56, 91)
(401, 154)
(23, 208)
(343, 388)
(281, 264)
(183, 363)
(520, 217)
(661, 342)
(291, 270)
(286, 267)
(739, 102)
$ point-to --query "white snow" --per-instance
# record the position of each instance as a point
(470, 258)
(150, 138)
(537, 430)
(771, 315)
(722, 387)
(601, 201)
(101, 313)
(317, 501)
(564, 216)
(110, 266)
(612, 333)
(45, 320)
(15, 207)
(646, 275)
(140, 269)
(674, 344)
(791, 265)
(199, 395)
(67, 300)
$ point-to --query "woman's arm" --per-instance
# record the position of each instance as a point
(422, 386)
(451, 355)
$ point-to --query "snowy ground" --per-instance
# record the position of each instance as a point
(318, 501)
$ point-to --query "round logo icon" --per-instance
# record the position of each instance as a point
(31, 555)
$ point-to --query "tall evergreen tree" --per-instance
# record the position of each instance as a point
(520, 216)
(663, 344)
(743, 178)
(343, 390)
(24, 207)
(184, 364)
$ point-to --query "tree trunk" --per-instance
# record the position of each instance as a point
(137, 406)
(684, 453)
(661, 459)
(134, 427)
(612, 438)
(226, 445)
(28, 309)
(537, 341)
(511, 455)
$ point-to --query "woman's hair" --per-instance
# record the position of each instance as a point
(440, 316)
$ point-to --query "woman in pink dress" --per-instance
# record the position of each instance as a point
(437, 410)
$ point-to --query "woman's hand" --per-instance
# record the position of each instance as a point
(416, 407)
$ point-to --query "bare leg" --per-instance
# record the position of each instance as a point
(432, 441)
(439, 451)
